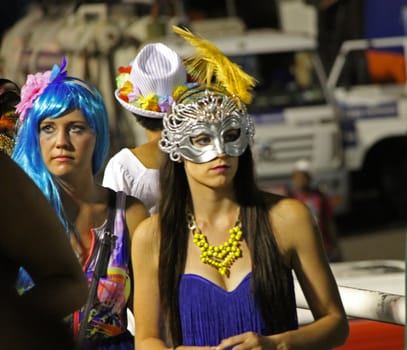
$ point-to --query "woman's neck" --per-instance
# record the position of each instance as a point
(75, 194)
(211, 206)
(153, 135)
(85, 209)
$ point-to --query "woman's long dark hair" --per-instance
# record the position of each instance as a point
(270, 280)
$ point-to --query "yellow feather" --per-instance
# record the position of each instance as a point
(208, 65)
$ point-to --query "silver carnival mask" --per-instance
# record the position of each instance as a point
(205, 124)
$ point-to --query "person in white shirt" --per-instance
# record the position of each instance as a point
(147, 89)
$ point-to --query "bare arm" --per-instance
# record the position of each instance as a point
(145, 252)
(135, 213)
(300, 241)
(33, 237)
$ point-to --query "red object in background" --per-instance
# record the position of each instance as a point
(373, 335)
(386, 66)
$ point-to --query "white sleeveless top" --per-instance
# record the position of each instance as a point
(124, 172)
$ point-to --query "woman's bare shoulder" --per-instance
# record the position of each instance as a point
(148, 230)
(146, 239)
(290, 220)
(285, 208)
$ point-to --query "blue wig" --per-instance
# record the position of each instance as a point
(63, 95)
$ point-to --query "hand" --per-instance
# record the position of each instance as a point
(247, 341)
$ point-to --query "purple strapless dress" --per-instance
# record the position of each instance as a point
(209, 313)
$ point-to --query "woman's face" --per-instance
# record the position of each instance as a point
(219, 171)
(67, 144)
(205, 140)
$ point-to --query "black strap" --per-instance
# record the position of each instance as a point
(103, 251)
(111, 211)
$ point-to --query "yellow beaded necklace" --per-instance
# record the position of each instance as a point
(222, 256)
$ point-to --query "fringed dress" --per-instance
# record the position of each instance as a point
(209, 314)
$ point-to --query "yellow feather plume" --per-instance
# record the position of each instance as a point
(209, 65)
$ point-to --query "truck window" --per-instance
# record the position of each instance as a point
(285, 80)
(373, 66)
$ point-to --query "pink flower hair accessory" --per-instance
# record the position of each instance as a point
(35, 86)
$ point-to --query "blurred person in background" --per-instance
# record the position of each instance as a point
(318, 202)
(337, 21)
(146, 88)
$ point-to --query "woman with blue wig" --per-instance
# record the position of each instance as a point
(62, 143)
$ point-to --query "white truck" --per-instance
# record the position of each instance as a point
(373, 122)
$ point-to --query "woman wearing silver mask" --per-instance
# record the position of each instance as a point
(216, 262)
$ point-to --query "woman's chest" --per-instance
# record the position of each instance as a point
(210, 266)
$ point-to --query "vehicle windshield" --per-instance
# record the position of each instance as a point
(372, 67)
(283, 80)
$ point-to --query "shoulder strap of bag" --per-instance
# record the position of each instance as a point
(111, 216)
(105, 247)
